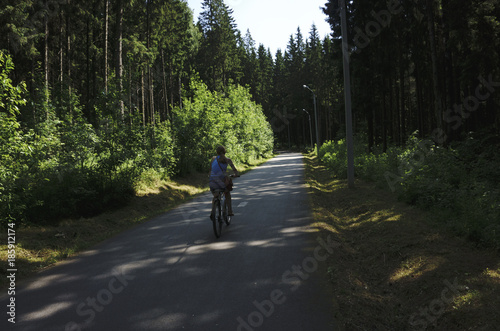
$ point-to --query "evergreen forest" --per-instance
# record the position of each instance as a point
(99, 95)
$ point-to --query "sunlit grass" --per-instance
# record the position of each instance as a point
(471, 298)
(167, 185)
(324, 226)
(494, 275)
(415, 267)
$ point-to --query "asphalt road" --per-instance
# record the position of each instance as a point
(171, 273)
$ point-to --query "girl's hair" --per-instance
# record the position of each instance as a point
(221, 150)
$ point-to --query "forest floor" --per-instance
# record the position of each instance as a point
(39, 247)
(396, 269)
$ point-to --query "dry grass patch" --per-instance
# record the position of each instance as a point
(395, 270)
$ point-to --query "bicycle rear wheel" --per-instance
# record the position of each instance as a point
(217, 223)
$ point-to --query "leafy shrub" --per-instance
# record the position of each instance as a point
(209, 119)
(63, 166)
(13, 150)
(368, 166)
(334, 155)
(460, 184)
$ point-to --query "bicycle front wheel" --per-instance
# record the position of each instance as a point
(217, 223)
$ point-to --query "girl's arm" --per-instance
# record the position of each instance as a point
(237, 174)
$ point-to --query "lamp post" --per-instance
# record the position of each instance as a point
(347, 91)
(310, 127)
(315, 118)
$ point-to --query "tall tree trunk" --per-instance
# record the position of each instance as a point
(420, 108)
(369, 119)
(166, 113)
(119, 60)
(451, 84)
(434, 59)
(87, 102)
(398, 112)
(61, 54)
(180, 91)
(151, 96)
(106, 33)
(391, 111)
(143, 99)
(69, 58)
(46, 56)
(148, 45)
(171, 83)
(130, 106)
(403, 100)
(384, 115)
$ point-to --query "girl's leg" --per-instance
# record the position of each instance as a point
(212, 214)
(229, 204)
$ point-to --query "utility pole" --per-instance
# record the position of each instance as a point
(347, 92)
(315, 119)
(310, 128)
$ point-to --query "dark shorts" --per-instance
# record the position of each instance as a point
(217, 183)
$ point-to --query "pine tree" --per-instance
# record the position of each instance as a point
(264, 74)
(249, 64)
(218, 60)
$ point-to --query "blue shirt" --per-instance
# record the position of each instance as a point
(217, 174)
(218, 168)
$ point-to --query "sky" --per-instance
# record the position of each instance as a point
(271, 22)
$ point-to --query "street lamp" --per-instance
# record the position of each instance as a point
(315, 118)
(347, 92)
(310, 127)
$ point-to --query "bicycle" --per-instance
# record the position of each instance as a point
(221, 212)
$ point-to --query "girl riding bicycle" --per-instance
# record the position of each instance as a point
(218, 167)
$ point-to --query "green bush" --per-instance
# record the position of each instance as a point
(334, 155)
(13, 150)
(459, 184)
(368, 166)
(209, 119)
(59, 165)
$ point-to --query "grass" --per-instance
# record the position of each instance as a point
(40, 247)
(396, 270)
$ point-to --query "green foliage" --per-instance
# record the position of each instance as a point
(218, 62)
(334, 155)
(12, 148)
(459, 184)
(63, 166)
(368, 166)
(209, 119)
